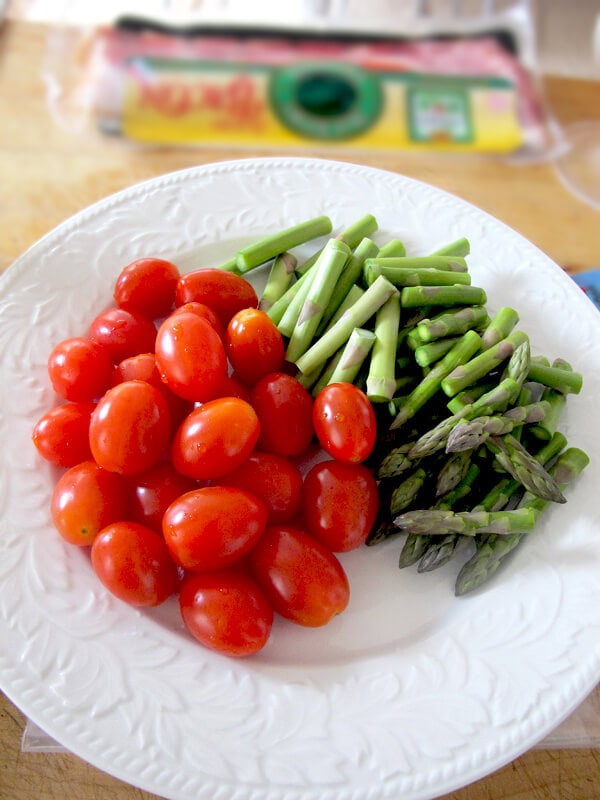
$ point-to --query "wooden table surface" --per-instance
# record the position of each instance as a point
(47, 174)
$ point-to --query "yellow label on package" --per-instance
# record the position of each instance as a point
(328, 103)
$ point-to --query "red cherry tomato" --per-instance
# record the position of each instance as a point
(213, 527)
(130, 428)
(86, 499)
(273, 479)
(152, 492)
(123, 333)
(205, 312)
(254, 345)
(226, 611)
(340, 504)
(345, 422)
(143, 368)
(215, 438)
(190, 357)
(147, 286)
(79, 369)
(225, 292)
(134, 564)
(61, 435)
(300, 577)
(284, 409)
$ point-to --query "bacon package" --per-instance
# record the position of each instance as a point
(469, 94)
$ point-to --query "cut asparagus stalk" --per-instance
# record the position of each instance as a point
(326, 272)
(279, 280)
(381, 380)
(352, 235)
(270, 246)
(416, 296)
(355, 317)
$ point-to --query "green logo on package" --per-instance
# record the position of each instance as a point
(325, 100)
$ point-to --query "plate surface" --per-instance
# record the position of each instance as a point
(411, 692)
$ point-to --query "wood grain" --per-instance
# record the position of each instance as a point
(48, 174)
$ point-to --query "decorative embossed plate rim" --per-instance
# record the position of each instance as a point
(411, 693)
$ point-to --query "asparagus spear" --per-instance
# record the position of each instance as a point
(355, 317)
(296, 298)
(523, 467)
(501, 324)
(461, 247)
(351, 236)
(547, 427)
(452, 323)
(499, 495)
(392, 249)
(470, 372)
(492, 552)
(562, 380)
(452, 472)
(439, 522)
(518, 365)
(419, 263)
(416, 296)
(381, 380)
(415, 546)
(396, 461)
(401, 276)
(427, 354)
(468, 434)
(347, 280)
(468, 396)
(279, 280)
(326, 272)
(427, 388)
(439, 550)
(436, 437)
(353, 356)
(280, 306)
(229, 266)
(406, 492)
(351, 298)
(270, 246)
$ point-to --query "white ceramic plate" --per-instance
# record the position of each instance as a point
(410, 693)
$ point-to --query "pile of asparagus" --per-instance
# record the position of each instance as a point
(469, 449)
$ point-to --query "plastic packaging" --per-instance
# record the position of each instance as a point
(412, 75)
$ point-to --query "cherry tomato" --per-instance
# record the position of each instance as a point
(86, 499)
(254, 345)
(213, 527)
(215, 438)
(79, 369)
(130, 428)
(225, 292)
(344, 422)
(273, 479)
(340, 504)
(134, 564)
(152, 492)
(284, 409)
(123, 333)
(205, 312)
(61, 435)
(190, 357)
(300, 577)
(226, 611)
(148, 286)
(143, 368)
